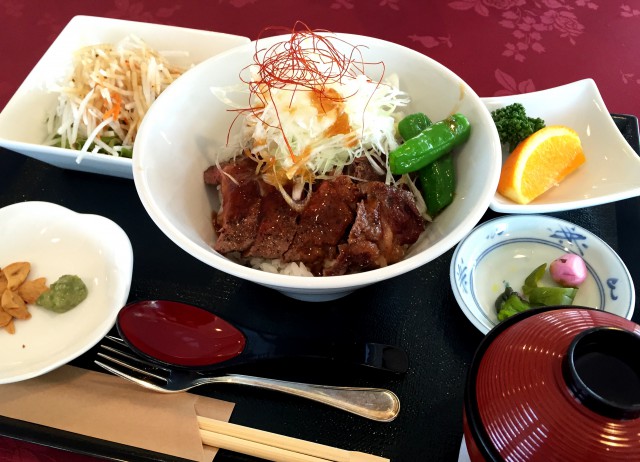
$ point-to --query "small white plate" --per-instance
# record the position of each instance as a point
(509, 248)
(23, 120)
(57, 241)
(612, 170)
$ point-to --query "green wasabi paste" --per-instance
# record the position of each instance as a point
(64, 294)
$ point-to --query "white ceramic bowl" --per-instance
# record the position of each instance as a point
(612, 170)
(509, 248)
(57, 241)
(23, 120)
(185, 126)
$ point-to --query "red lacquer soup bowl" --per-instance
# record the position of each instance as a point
(555, 384)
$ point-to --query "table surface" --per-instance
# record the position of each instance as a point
(499, 47)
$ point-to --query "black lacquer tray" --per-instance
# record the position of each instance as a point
(416, 311)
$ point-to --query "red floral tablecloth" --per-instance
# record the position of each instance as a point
(499, 47)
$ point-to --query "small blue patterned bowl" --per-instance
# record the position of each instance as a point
(506, 250)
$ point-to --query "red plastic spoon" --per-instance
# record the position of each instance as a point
(184, 335)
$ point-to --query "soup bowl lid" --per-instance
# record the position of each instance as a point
(556, 383)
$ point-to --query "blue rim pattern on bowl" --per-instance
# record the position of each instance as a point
(610, 280)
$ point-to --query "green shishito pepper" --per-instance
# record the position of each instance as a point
(412, 125)
(432, 143)
(438, 184)
(437, 179)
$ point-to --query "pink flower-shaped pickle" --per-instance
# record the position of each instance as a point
(568, 270)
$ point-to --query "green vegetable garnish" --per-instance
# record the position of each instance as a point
(552, 296)
(438, 184)
(432, 143)
(437, 179)
(546, 296)
(126, 152)
(531, 281)
(509, 303)
(64, 294)
(514, 125)
(111, 141)
(412, 125)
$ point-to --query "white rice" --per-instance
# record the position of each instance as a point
(278, 266)
(271, 265)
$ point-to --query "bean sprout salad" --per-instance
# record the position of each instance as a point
(103, 100)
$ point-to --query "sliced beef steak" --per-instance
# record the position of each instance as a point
(362, 169)
(387, 221)
(398, 212)
(237, 222)
(277, 226)
(346, 227)
(324, 223)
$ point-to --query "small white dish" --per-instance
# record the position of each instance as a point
(463, 456)
(23, 120)
(509, 248)
(57, 241)
(612, 170)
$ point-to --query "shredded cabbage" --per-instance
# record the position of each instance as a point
(293, 119)
(308, 127)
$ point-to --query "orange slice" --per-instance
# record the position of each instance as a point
(540, 162)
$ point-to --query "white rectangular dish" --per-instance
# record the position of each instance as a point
(23, 120)
(612, 170)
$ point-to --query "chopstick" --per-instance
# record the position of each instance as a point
(274, 447)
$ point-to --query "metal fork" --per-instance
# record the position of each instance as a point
(373, 403)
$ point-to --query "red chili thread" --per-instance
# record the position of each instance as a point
(307, 61)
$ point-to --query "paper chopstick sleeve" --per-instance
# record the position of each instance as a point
(107, 407)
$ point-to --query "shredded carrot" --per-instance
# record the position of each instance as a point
(115, 108)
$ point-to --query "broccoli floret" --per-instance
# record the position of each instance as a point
(514, 125)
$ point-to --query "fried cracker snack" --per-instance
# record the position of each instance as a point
(3, 281)
(16, 274)
(16, 292)
(14, 305)
(29, 291)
